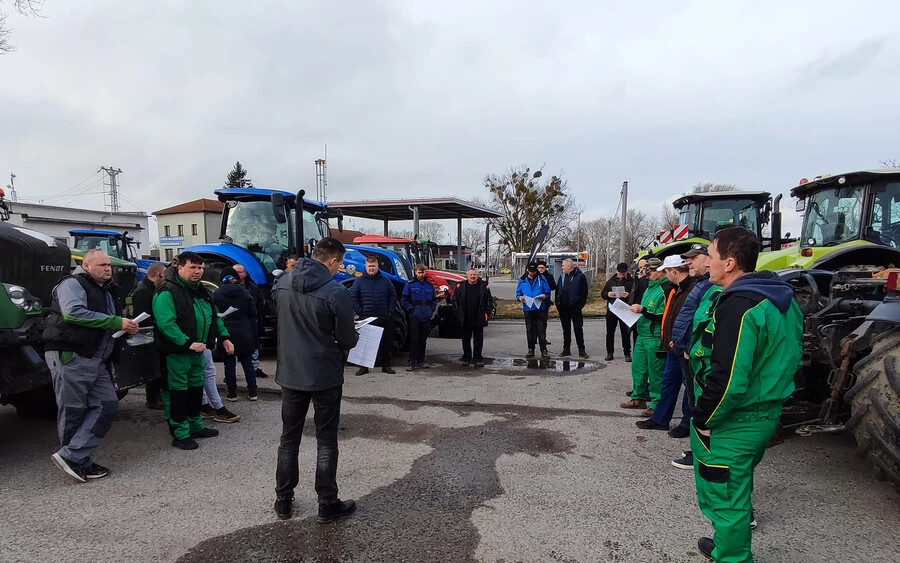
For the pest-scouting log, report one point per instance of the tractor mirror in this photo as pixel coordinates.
(801, 204)
(278, 208)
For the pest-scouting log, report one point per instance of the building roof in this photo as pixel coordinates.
(196, 206)
(399, 209)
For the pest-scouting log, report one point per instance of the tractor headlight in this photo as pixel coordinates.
(119, 269)
(21, 298)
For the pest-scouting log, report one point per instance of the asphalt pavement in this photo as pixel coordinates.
(516, 461)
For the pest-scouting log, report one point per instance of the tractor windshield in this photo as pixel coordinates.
(688, 215)
(833, 216)
(252, 225)
(886, 215)
(721, 213)
(112, 246)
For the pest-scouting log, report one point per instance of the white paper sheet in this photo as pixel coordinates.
(618, 290)
(142, 317)
(227, 312)
(531, 302)
(363, 322)
(366, 350)
(620, 309)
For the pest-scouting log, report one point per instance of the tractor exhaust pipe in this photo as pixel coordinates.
(776, 223)
(299, 211)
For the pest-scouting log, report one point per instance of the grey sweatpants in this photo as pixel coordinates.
(87, 404)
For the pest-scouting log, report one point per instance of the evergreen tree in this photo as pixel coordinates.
(237, 178)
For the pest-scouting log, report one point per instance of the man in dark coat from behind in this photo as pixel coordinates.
(241, 329)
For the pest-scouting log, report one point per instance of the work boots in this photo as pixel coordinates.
(332, 511)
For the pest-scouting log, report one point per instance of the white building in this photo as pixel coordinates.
(58, 221)
(187, 224)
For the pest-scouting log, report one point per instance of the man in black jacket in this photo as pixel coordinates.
(571, 297)
(316, 311)
(621, 279)
(141, 302)
(472, 299)
(78, 342)
(374, 296)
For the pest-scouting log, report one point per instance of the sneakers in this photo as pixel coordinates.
(411, 368)
(261, 373)
(362, 371)
(207, 411)
(465, 360)
(634, 404)
(650, 424)
(73, 470)
(582, 353)
(252, 395)
(545, 354)
(97, 471)
(628, 358)
(388, 369)
(225, 415)
(679, 432)
(753, 522)
(565, 352)
(609, 357)
(185, 444)
(530, 354)
(333, 511)
(685, 462)
(706, 547)
(284, 508)
(479, 363)
(231, 397)
(205, 433)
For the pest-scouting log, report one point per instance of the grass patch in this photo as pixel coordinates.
(595, 307)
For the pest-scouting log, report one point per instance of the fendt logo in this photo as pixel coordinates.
(46, 268)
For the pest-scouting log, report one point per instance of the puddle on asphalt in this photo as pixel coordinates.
(517, 366)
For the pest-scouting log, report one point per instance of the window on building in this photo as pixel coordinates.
(168, 231)
(194, 229)
(170, 254)
(181, 230)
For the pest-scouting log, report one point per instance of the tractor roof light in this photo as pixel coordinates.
(806, 252)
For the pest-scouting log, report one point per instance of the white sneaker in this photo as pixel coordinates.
(68, 468)
(753, 522)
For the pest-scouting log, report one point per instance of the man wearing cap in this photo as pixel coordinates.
(532, 291)
(754, 332)
(676, 269)
(621, 279)
(646, 371)
(571, 297)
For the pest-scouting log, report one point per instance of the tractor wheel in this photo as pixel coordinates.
(875, 400)
(401, 333)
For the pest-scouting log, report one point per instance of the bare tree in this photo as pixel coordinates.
(668, 218)
(708, 187)
(23, 7)
(890, 163)
(527, 201)
(473, 239)
(404, 233)
(432, 231)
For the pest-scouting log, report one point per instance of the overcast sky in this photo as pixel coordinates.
(419, 98)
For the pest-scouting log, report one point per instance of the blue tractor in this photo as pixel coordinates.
(121, 247)
(260, 231)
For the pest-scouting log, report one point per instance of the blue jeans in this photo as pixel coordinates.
(671, 384)
(231, 375)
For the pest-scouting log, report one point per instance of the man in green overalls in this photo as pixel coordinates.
(187, 323)
(743, 355)
(646, 367)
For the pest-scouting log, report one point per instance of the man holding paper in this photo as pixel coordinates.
(78, 343)
(532, 291)
(617, 287)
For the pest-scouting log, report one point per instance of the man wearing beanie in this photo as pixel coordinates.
(621, 279)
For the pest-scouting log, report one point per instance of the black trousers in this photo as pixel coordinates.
(418, 336)
(473, 336)
(326, 414)
(536, 328)
(154, 390)
(387, 340)
(570, 318)
(611, 322)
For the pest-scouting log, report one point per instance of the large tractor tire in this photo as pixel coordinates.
(875, 401)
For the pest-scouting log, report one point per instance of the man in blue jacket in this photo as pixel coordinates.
(315, 333)
(374, 296)
(532, 291)
(418, 300)
(571, 297)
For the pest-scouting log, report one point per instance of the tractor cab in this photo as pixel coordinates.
(704, 214)
(113, 243)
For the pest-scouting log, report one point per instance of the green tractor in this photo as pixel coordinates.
(701, 215)
(846, 283)
(119, 247)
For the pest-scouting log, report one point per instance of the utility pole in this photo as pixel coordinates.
(624, 210)
(321, 177)
(12, 187)
(113, 187)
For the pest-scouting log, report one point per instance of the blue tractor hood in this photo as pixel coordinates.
(98, 232)
(237, 255)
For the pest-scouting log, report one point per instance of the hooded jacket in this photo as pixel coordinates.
(418, 300)
(533, 288)
(572, 290)
(373, 296)
(241, 324)
(684, 322)
(756, 330)
(315, 328)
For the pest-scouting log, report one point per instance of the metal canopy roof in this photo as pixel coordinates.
(399, 209)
